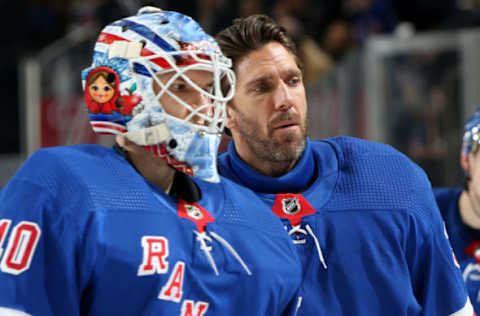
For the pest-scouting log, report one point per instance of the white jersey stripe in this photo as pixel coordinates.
(11, 312)
(467, 310)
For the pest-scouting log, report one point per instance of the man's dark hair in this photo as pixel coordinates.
(249, 34)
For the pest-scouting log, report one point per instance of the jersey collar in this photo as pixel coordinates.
(294, 181)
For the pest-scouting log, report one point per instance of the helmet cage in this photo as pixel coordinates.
(213, 114)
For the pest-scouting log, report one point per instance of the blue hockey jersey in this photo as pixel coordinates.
(465, 241)
(365, 223)
(82, 233)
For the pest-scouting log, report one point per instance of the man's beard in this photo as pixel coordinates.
(288, 150)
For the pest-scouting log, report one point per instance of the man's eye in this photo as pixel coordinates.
(106, 89)
(95, 88)
(259, 89)
(294, 81)
(179, 87)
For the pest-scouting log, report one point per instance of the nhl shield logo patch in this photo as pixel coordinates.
(291, 206)
(193, 211)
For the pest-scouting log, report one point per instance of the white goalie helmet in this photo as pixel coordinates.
(124, 88)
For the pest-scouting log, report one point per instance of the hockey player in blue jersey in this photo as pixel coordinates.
(362, 215)
(89, 230)
(460, 209)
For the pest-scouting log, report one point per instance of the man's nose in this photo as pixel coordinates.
(282, 97)
(198, 105)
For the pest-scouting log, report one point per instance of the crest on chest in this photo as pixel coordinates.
(196, 213)
(292, 207)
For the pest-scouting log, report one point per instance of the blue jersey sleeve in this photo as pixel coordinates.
(39, 246)
(435, 272)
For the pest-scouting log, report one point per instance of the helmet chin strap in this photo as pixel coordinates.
(148, 136)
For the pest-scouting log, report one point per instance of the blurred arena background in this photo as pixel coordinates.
(393, 71)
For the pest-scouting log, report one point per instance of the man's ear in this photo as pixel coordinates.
(464, 162)
(231, 117)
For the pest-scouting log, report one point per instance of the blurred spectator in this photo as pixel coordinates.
(207, 13)
(35, 23)
(338, 39)
(419, 129)
(104, 12)
(249, 7)
(316, 61)
(369, 17)
(431, 152)
(83, 12)
(215, 15)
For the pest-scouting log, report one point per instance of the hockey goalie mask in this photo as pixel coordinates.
(161, 81)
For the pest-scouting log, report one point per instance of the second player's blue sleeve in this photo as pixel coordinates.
(40, 251)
